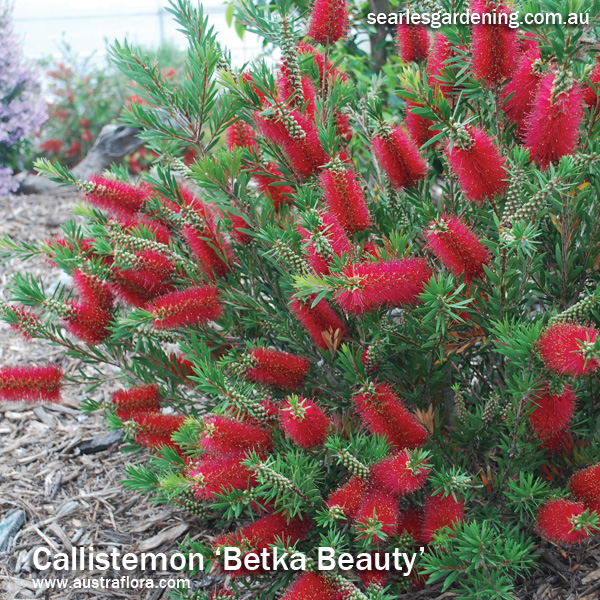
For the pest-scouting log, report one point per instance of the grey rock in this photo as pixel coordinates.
(100, 442)
(113, 143)
(9, 526)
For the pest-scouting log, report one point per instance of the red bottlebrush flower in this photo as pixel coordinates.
(263, 533)
(377, 508)
(161, 232)
(115, 196)
(413, 42)
(555, 521)
(558, 442)
(346, 199)
(87, 322)
(457, 247)
(139, 286)
(328, 21)
(590, 94)
(371, 285)
(280, 369)
(31, 383)
(326, 68)
(385, 414)
(240, 135)
(311, 586)
(331, 230)
(397, 475)
(520, 92)
(146, 280)
(399, 156)
(304, 421)
(238, 224)
(304, 149)
(553, 124)
(213, 475)
(349, 496)
(494, 47)
(307, 101)
(374, 576)
(411, 523)
(223, 435)
(585, 486)
(320, 321)
(51, 146)
(528, 42)
(202, 244)
(417, 125)
(193, 306)
(27, 321)
(93, 291)
(273, 185)
(441, 511)
(438, 69)
(156, 429)
(480, 168)
(343, 127)
(136, 399)
(552, 413)
(562, 347)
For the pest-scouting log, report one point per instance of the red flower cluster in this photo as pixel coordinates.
(92, 290)
(441, 511)
(328, 21)
(413, 42)
(349, 496)
(345, 199)
(223, 435)
(590, 94)
(331, 230)
(368, 285)
(553, 125)
(480, 168)
(312, 586)
(213, 475)
(87, 322)
(494, 47)
(520, 92)
(146, 280)
(457, 247)
(116, 196)
(240, 135)
(156, 429)
(273, 185)
(400, 158)
(555, 521)
(585, 486)
(418, 126)
(276, 368)
(262, 534)
(319, 320)
(552, 413)
(136, 400)
(437, 68)
(31, 383)
(397, 475)
(303, 149)
(563, 348)
(192, 306)
(304, 421)
(376, 508)
(386, 415)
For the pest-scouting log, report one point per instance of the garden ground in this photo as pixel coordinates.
(71, 492)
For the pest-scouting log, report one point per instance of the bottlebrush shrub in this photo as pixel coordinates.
(340, 335)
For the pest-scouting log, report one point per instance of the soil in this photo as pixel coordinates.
(72, 499)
